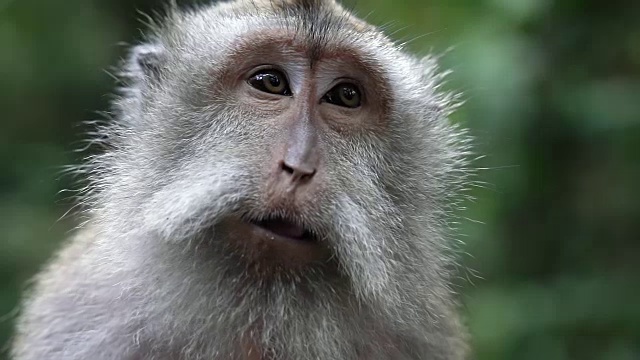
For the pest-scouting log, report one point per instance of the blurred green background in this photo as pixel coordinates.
(553, 98)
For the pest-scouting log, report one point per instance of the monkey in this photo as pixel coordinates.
(277, 182)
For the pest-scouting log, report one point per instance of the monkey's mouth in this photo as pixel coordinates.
(286, 243)
(275, 240)
(285, 228)
(272, 240)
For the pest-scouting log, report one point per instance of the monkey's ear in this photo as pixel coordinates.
(145, 61)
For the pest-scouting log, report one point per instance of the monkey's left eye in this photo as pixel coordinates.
(270, 81)
(344, 94)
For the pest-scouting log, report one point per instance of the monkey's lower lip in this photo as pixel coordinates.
(284, 228)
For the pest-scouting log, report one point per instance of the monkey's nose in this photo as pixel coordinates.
(298, 172)
(300, 157)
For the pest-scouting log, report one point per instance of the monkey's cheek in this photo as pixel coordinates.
(264, 250)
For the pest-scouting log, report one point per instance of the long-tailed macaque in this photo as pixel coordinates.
(277, 183)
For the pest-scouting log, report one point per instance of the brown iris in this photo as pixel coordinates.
(344, 94)
(271, 81)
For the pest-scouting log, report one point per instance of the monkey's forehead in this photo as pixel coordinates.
(319, 26)
(309, 13)
(203, 40)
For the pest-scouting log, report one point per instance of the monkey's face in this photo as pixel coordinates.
(290, 145)
(301, 126)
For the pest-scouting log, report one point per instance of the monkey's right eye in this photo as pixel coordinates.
(271, 81)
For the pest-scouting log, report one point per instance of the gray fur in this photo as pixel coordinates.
(148, 278)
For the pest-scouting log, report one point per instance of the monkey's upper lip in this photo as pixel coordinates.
(285, 228)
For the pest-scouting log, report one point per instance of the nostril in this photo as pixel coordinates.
(289, 170)
(310, 174)
(307, 176)
(297, 172)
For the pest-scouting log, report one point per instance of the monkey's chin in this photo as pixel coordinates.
(274, 243)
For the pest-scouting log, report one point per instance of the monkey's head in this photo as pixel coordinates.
(287, 142)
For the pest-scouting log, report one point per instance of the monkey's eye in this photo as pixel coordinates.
(344, 94)
(271, 81)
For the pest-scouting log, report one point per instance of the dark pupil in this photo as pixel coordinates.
(274, 80)
(348, 93)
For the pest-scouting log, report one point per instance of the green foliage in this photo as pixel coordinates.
(553, 98)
